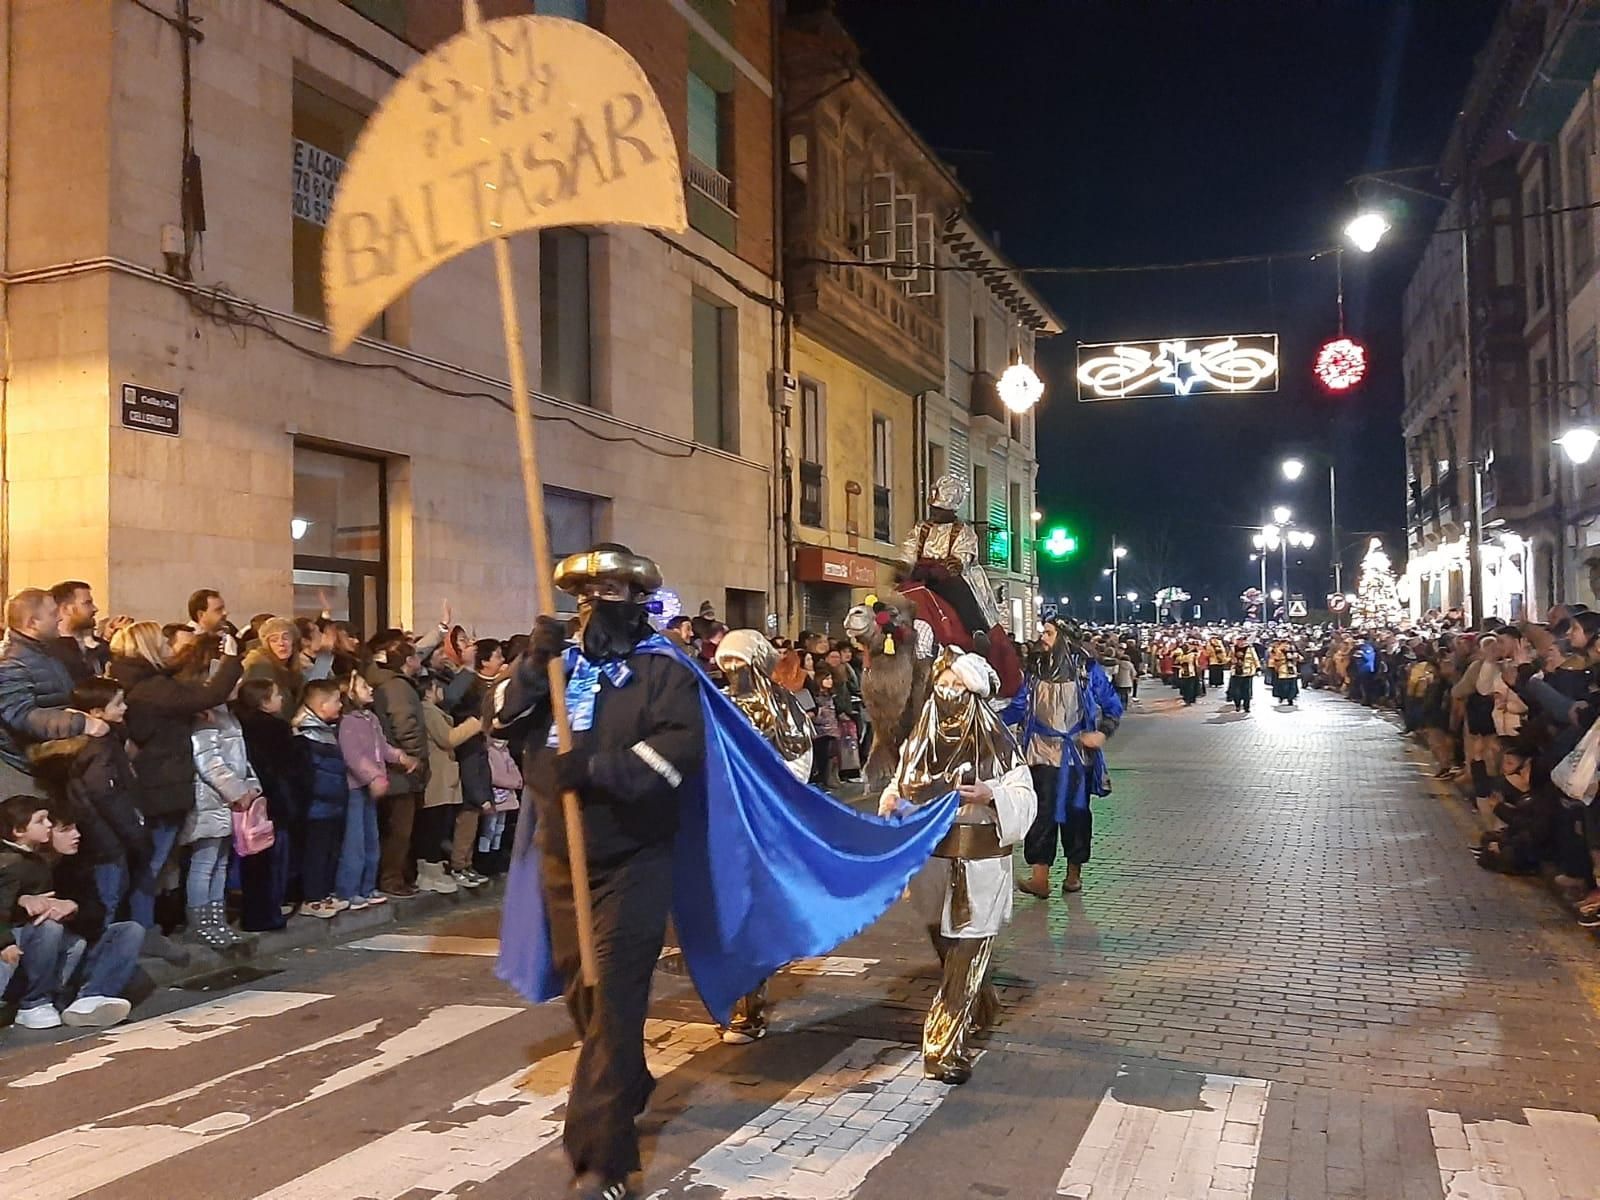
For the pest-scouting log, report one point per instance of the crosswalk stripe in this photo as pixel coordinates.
(173, 1031)
(1555, 1156)
(1135, 1150)
(483, 1133)
(826, 1135)
(429, 943)
(75, 1161)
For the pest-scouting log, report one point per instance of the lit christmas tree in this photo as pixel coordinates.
(1377, 595)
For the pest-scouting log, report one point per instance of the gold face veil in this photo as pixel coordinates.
(746, 659)
(958, 738)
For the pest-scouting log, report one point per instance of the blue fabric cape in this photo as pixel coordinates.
(766, 869)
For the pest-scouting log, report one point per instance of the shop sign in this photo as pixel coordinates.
(152, 411)
(818, 564)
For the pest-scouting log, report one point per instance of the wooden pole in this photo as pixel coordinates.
(544, 594)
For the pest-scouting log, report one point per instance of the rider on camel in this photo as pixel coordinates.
(942, 552)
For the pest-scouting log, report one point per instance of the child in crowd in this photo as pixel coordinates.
(264, 877)
(96, 775)
(367, 754)
(224, 781)
(435, 826)
(34, 942)
(506, 782)
(316, 728)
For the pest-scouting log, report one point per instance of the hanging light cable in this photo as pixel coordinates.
(1342, 362)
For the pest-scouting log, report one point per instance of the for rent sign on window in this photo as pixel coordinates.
(316, 178)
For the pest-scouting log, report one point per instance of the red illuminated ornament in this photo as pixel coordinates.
(1341, 364)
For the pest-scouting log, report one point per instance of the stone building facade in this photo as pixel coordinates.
(382, 482)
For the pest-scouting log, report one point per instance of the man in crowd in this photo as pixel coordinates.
(207, 612)
(35, 687)
(83, 654)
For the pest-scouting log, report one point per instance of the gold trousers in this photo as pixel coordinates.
(965, 1004)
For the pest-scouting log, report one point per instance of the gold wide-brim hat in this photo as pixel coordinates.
(608, 562)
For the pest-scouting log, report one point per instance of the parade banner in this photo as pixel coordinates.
(514, 124)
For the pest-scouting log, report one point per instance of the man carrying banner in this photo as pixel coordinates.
(685, 808)
(637, 732)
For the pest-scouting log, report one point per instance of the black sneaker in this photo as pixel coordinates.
(590, 1190)
(1589, 919)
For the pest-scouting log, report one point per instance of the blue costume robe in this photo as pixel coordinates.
(1078, 779)
(765, 868)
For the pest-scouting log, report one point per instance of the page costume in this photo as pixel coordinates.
(963, 894)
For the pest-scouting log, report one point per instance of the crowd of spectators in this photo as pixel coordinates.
(201, 782)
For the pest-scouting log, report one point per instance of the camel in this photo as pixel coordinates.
(894, 687)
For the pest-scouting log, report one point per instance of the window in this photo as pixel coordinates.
(1533, 236)
(1579, 233)
(1541, 427)
(1505, 259)
(574, 522)
(812, 448)
(1583, 363)
(324, 131)
(705, 122)
(573, 10)
(1018, 565)
(340, 538)
(882, 506)
(980, 348)
(709, 165)
(714, 393)
(938, 460)
(564, 297)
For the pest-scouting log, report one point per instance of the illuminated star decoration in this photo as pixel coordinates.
(1221, 364)
(1341, 364)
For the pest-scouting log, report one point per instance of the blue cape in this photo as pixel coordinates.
(766, 869)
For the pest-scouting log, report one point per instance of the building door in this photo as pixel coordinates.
(341, 544)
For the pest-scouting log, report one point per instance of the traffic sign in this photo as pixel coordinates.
(1297, 606)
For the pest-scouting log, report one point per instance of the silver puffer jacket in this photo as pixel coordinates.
(222, 774)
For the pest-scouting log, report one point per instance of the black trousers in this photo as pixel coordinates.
(958, 594)
(433, 833)
(610, 1084)
(1039, 843)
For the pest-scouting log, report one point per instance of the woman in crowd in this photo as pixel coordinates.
(163, 703)
(276, 657)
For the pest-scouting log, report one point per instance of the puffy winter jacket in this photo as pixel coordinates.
(279, 764)
(367, 753)
(35, 688)
(223, 775)
(161, 713)
(399, 707)
(95, 773)
(328, 784)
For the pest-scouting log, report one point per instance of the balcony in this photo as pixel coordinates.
(984, 399)
(708, 181)
(811, 494)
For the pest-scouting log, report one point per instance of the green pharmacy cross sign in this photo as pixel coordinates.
(1059, 544)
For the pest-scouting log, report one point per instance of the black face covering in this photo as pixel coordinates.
(611, 628)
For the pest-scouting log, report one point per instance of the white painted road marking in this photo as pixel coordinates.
(1555, 1156)
(75, 1161)
(821, 1140)
(426, 943)
(1131, 1151)
(173, 1031)
(483, 1134)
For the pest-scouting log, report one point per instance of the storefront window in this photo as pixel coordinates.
(340, 539)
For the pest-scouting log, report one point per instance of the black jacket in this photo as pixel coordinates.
(280, 763)
(81, 664)
(647, 737)
(96, 774)
(22, 873)
(35, 689)
(161, 712)
(399, 707)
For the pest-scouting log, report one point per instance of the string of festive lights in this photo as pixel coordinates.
(1342, 362)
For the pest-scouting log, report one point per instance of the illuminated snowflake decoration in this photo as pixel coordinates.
(1341, 364)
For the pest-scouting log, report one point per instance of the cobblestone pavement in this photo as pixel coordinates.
(1285, 977)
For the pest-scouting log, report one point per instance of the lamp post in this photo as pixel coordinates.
(1365, 231)
(1118, 553)
(1293, 469)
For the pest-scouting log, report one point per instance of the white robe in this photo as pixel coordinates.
(989, 880)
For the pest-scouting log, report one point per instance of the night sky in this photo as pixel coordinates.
(1126, 132)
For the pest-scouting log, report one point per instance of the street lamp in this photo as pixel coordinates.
(1293, 468)
(1118, 553)
(1579, 444)
(1020, 387)
(1276, 594)
(1366, 230)
(1282, 514)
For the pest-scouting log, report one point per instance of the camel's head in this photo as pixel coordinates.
(872, 624)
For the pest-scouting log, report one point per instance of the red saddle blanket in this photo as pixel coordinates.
(949, 631)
